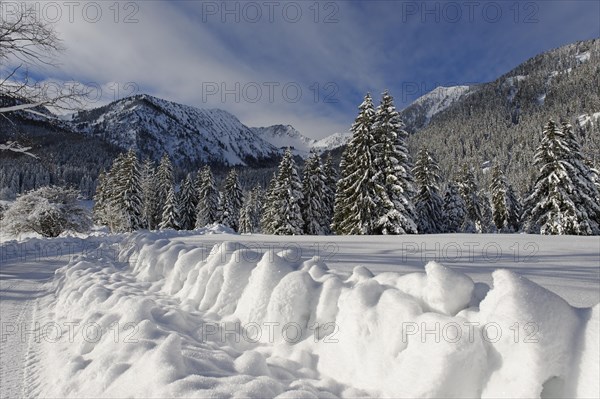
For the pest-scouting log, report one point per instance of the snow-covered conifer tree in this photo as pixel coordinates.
(287, 197)
(126, 192)
(429, 205)
(560, 201)
(329, 195)
(469, 191)
(394, 213)
(151, 205)
(188, 202)
(455, 209)
(208, 198)
(355, 200)
(164, 180)
(313, 204)
(505, 204)
(250, 212)
(230, 201)
(268, 210)
(170, 215)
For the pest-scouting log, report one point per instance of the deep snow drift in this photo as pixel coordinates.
(170, 319)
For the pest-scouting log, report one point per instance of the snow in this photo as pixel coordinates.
(583, 57)
(586, 119)
(193, 314)
(441, 98)
(184, 132)
(333, 141)
(284, 136)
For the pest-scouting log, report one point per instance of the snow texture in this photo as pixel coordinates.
(196, 316)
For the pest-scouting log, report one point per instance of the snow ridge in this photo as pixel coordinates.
(187, 305)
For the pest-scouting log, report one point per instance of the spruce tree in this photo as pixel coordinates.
(152, 208)
(164, 181)
(268, 207)
(469, 191)
(506, 208)
(487, 217)
(170, 215)
(188, 202)
(557, 204)
(250, 212)
(126, 197)
(329, 195)
(355, 200)
(429, 205)
(394, 213)
(455, 209)
(231, 200)
(287, 197)
(208, 198)
(515, 209)
(585, 182)
(313, 204)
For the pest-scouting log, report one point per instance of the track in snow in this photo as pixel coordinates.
(22, 286)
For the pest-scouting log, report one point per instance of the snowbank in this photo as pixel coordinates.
(236, 322)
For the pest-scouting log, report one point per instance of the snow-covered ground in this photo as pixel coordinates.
(197, 314)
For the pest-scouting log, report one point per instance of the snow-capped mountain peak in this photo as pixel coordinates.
(419, 113)
(333, 141)
(283, 136)
(153, 126)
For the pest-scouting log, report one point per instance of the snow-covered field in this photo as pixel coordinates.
(222, 315)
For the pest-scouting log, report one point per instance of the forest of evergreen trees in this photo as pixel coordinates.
(375, 190)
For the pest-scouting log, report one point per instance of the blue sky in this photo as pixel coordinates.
(265, 61)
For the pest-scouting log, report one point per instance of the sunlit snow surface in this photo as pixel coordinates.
(222, 315)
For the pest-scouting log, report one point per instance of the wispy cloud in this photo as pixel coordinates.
(333, 52)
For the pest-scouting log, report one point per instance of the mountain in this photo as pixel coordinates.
(418, 115)
(191, 136)
(284, 136)
(333, 141)
(501, 121)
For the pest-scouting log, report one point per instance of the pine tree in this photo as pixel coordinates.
(467, 186)
(313, 204)
(455, 209)
(393, 179)
(170, 215)
(208, 198)
(188, 202)
(164, 181)
(287, 197)
(355, 199)
(557, 204)
(231, 200)
(429, 205)
(152, 208)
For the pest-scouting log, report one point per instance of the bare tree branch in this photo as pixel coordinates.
(27, 40)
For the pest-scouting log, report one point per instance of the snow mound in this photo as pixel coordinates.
(237, 322)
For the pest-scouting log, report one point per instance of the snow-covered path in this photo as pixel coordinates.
(23, 284)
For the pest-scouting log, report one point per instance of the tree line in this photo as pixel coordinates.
(375, 190)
